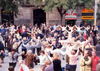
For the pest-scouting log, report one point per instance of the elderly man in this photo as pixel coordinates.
(29, 57)
(95, 60)
(13, 56)
(85, 62)
(98, 48)
(23, 67)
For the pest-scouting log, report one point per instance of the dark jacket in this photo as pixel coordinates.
(57, 65)
(98, 50)
(1, 47)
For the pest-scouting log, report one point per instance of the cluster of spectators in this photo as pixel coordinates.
(49, 45)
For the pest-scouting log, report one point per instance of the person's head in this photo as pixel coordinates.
(69, 44)
(85, 33)
(2, 27)
(15, 45)
(10, 36)
(24, 38)
(85, 53)
(12, 51)
(73, 52)
(49, 46)
(55, 34)
(29, 52)
(47, 62)
(54, 43)
(39, 37)
(42, 52)
(31, 70)
(2, 51)
(14, 39)
(80, 33)
(20, 62)
(56, 56)
(93, 53)
(11, 68)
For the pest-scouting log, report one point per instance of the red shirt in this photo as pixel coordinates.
(21, 69)
(94, 62)
(85, 36)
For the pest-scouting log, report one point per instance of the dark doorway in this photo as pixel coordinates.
(71, 22)
(39, 16)
(7, 16)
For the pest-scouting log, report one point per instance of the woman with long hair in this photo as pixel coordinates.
(56, 62)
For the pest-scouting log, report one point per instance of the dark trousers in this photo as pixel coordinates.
(5, 44)
(38, 51)
(2, 56)
(33, 51)
(36, 61)
(12, 64)
(25, 50)
(72, 67)
(9, 49)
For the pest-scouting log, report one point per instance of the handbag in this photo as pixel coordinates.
(31, 65)
(67, 66)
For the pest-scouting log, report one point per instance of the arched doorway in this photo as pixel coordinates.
(39, 16)
(7, 16)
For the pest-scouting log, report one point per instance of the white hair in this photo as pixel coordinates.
(29, 51)
(24, 38)
(21, 62)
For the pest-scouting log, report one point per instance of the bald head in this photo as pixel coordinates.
(86, 53)
(47, 62)
(20, 62)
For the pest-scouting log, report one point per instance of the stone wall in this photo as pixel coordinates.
(24, 16)
(54, 17)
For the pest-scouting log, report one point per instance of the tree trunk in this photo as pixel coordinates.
(61, 18)
(9, 18)
(61, 12)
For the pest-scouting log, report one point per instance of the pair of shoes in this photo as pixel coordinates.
(0, 65)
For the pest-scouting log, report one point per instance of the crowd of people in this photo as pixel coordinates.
(49, 45)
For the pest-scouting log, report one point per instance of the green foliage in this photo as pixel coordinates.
(65, 4)
(10, 5)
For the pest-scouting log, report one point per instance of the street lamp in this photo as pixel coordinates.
(95, 12)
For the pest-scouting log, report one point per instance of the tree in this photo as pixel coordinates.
(63, 5)
(10, 5)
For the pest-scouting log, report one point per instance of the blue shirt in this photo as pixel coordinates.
(3, 31)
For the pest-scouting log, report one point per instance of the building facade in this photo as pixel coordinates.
(30, 14)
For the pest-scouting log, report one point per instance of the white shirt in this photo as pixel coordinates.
(43, 58)
(60, 52)
(25, 68)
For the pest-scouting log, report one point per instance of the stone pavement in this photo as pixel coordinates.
(5, 65)
(36, 67)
